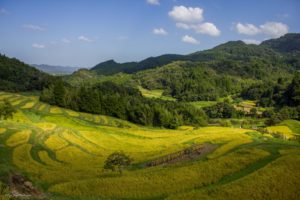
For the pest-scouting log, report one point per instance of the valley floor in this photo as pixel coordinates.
(63, 152)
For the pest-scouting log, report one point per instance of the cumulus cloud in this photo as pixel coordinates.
(189, 39)
(204, 28)
(85, 39)
(153, 2)
(65, 40)
(159, 31)
(247, 29)
(272, 29)
(207, 28)
(251, 41)
(38, 46)
(33, 27)
(186, 14)
(183, 26)
(189, 18)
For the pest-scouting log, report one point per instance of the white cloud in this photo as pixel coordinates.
(38, 46)
(247, 29)
(159, 31)
(204, 28)
(3, 11)
(189, 39)
(207, 28)
(85, 39)
(183, 26)
(274, 29)
(251, 41)
(65, 40)
(33, 27)
(186, 14)
(153, 2)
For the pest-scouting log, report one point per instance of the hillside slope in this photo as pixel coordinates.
(18, 76)
(272, 52)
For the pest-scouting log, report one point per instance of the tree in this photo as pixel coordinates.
(253, 112)
(292, 93)
(59, 93)
(117, 161)
(6, 110)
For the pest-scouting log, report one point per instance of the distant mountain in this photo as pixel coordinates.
(111, 67)
(18, 76)
(56, 70)
(285, 44)
(269, 51)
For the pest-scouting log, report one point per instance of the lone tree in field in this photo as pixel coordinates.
(117, 161)
(6, 110)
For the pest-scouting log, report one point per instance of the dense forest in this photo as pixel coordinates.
(18, 76)
(123, 102)
(265, 73)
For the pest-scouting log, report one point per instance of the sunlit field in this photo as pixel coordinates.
(63, 153)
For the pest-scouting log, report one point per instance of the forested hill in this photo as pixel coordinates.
(287, 44)
(18, 76)
(112, 67)
(281, 52)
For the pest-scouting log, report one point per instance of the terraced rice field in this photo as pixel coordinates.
(63, 153)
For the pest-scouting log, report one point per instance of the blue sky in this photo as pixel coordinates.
(83, 33)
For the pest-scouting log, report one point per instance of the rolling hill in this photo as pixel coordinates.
(18, 76)
(56, 70)
(270, 51)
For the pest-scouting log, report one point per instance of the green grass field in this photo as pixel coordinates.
(63, 152)
(155, 94)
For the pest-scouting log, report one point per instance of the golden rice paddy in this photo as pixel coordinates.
(64, 151)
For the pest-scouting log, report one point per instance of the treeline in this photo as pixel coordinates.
(18, 76)
(123, 102)
(278, 94)
(223, 110)
(190, 81)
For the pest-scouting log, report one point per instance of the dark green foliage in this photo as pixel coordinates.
(189, 81)
(280, 114)
(112, 67)
(275, 94)
(117, 161)
(287, 43)
(18, 76)
(127, 103)
(6, 110)
(55, 94)
(235, 58)
(223, 110)
(292, 93)
(59, 93)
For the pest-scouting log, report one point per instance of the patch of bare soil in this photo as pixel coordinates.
(22, 188)
(190, 153)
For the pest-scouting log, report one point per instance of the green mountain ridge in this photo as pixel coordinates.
(18, 76)
(284, 49)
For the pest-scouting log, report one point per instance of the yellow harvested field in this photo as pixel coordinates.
(71, 113)
(2, 130)
(46, 159)
(55, 110)
(55, 142)
(142, 184)
(64, 152)
(278, 180)
(29, 105)
(283, 130)
(46, 126)
(18, 138)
